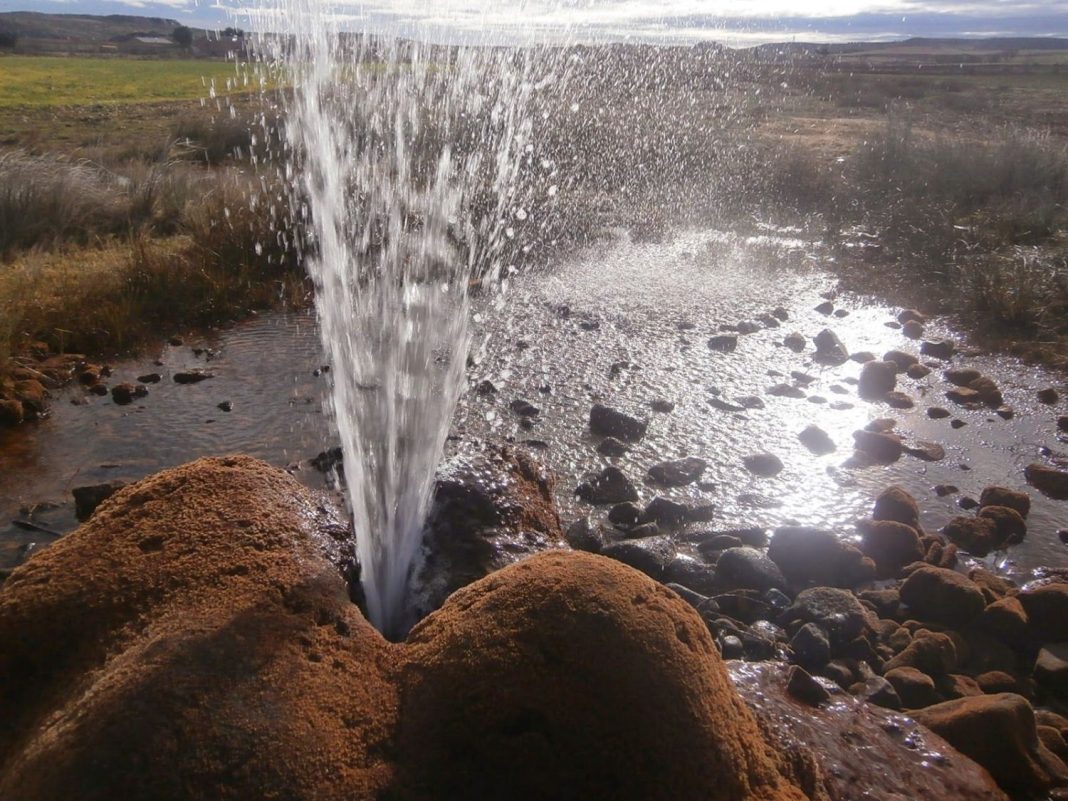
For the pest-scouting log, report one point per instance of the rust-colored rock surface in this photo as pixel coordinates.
(196, 640)
(858, 750)
(999, 732)
(573, 676)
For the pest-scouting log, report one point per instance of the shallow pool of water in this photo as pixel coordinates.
(648, 310)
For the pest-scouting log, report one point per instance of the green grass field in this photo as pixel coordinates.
(80, 81)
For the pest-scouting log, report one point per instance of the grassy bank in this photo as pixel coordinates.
(34, 81)
(149, 216)
(99, 261)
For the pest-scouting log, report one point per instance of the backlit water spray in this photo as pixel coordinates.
(404, 164)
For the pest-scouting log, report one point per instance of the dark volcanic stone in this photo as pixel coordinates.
(87, 498)
(811, 647)
(835, 611)
(723, 343)
(1048, 395)
(193, 376)
(123, 394)
(939, 349)
(524, 408)
(786, 391)
(626, 514)
(829, 348)
(962, 376)
(812, 555)
(763, 464)
(608, 486)
(801, 685)
(650, 555)
(877, 379)
(610, 446)
(608, 422)
(747, 569)
(817, 440)
(666, 511)
(678, 472)
(583, 536)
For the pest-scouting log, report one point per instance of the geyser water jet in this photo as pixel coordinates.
(404, 164)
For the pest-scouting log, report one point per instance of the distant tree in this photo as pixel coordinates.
(233, 33)
(183, 36)
(8, 39)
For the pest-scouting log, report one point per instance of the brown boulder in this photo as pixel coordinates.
(1047, 610)
(196, 640)
(1010, 525)
(914, 687)
(33, 397)
(988, 390)
(976, 535)
(11, 413)
(1051, 668)
(878, 445)
(876, 379)
(1003, 496)
(855, 749)
(1048, 480)
(890, 544)
(931, 652)
(1006, 620)
(941, 595)
(998, 732)
(895, 503)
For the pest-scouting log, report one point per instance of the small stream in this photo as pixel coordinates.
(622, 324)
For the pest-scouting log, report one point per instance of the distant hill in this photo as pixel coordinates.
(920, 44)
(33, 25)
(115, 34)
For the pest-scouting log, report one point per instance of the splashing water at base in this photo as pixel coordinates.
(404, 163)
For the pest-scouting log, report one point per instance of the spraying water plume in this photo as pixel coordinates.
(405, 158)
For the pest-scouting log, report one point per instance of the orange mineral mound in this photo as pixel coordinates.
(195, 640)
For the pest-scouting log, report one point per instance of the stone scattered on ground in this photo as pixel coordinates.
(677, 472)
(817, 440)
(829, 348)
(938, 349)
(763, 464)
(1048, 395)
(1048, 480)
(611, 485)
(88, 498)
(192, 376)
(608, 422)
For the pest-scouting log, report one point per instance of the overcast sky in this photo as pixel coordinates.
(736, 22)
